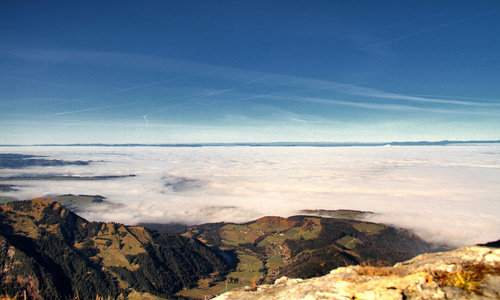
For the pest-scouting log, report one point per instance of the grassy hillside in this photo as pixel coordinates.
(300, 246)
(51, 253)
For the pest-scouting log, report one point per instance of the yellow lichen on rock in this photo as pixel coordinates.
(466, 273)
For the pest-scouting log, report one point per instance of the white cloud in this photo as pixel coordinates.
(444, 193)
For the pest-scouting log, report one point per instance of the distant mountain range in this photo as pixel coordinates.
(281, 144)
(48, 252)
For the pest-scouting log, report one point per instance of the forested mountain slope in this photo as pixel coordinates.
(51, 253)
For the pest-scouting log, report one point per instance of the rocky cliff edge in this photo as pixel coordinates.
(465, 273)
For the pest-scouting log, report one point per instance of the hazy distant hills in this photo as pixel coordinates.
(283, 144)
(51, 253)
(18, 161)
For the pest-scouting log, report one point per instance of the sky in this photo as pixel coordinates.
(195, 71)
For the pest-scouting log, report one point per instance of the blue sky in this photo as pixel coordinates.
(248, 71)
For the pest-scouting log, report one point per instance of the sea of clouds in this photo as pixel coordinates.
(445, 194)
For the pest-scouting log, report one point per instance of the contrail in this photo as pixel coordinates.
(427, 30)
(209, 94)
(155, 112)
(393, 107)
(403, 23)
(113, 92)
(204, 95)
(144, 85)
(88, 109)
(458, 97)
(119, 91)
(369, 92)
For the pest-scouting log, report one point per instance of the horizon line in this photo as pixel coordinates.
(264, 144)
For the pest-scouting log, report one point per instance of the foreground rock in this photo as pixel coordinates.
(466, 273)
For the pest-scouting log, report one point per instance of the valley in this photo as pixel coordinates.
(43, 241)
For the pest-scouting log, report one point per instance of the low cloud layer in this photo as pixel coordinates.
(444, 193)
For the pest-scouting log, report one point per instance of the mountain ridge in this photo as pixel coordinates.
(302, 246)
(51, 252)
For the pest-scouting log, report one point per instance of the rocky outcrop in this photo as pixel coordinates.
(466, 273)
